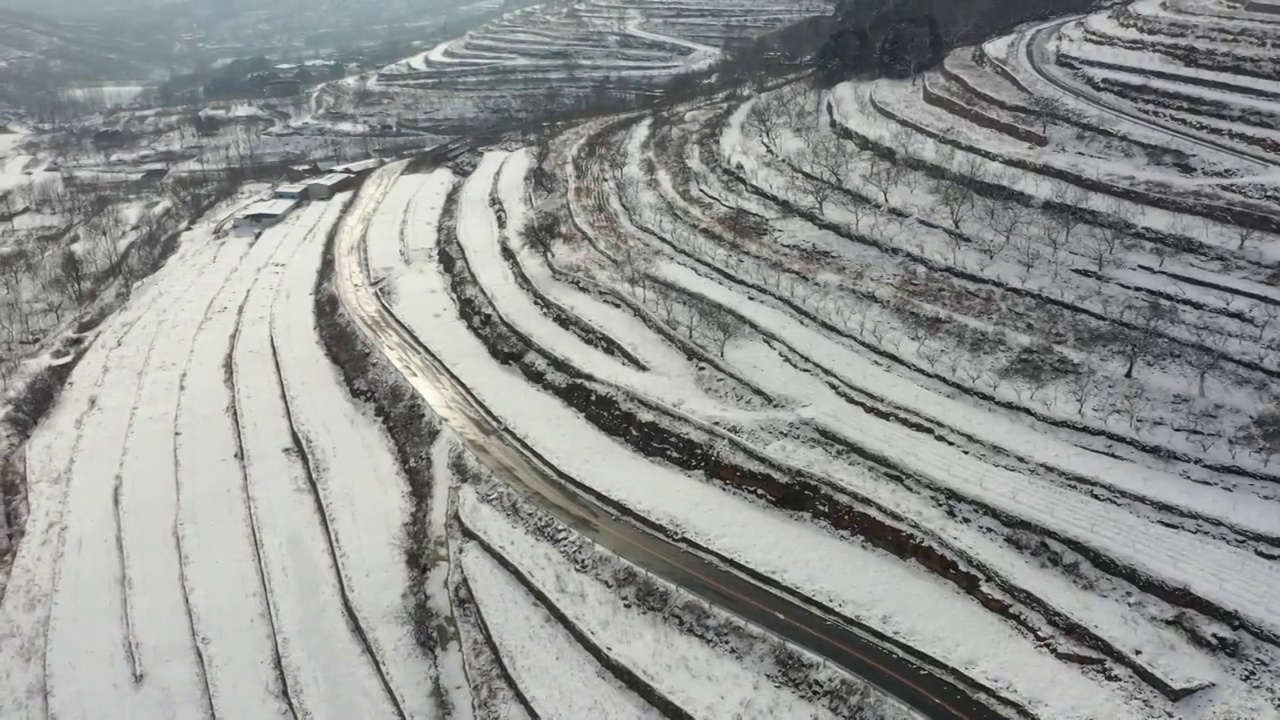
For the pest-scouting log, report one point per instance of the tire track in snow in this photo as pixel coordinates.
(300, 446)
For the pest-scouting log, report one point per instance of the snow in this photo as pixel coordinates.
(905, 602)
(1070, 41)
(702, 680)
(174, 559)
(363, 493)
(278, 206)
(324, 662)
(481, 241)
(106, 378)
(557, 675)
(440, 575)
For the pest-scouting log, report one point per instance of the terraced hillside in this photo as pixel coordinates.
(555, 53)
(1002, 338)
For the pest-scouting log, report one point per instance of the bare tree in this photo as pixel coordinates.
(956, 200)
(883, 175)
(1202, 422)
(1134, 403)
(542, 229)
(1082, 386)
(1262, 435)
(826, 163)
(831, 159)
(1147, 321)
(1004, 220)
(1028, 249)
(1265, 315)
(15, 266)
(768, 119)
(904, 141)
(1244, 236)
(634, 263)
(1207, 354)
(1103, 241)
(721, 325)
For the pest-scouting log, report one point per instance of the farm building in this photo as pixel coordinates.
(264, 213)
(294, 191)
(298, 173)
(361, 168)
(326, 187)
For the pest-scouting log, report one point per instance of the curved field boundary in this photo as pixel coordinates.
(979, 118)
(1104, 433)
(463, 586)
(277, 660)
(885, 409)
(662, 436)
(1220, 213)
(624, 674)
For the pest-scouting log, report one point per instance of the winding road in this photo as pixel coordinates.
(1035, 45)
(893, 668)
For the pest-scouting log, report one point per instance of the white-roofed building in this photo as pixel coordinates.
(291, 191)
(264, 213)
(323, 188)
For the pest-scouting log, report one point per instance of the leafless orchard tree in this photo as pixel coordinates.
(1134, 404)
(634, 263)
(904, 141)
(1149, 320)
(1208, 355)
(1004, 220)
(955, 199)
(1102, 242)
(1082, 387)
(1048, 109)
(1201, 422)
(1244, 236)
(768, 119)
(828, 163)
(1265, 315)
(722, 326)
(1262, 435)
(883, 175)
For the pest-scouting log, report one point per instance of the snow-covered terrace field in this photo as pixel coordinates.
(204, 537)
(1075, 410)
(1010, 399)
(588, 41)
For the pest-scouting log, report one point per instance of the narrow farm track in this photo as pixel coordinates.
(181, 577)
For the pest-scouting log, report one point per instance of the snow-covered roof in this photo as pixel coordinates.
(291, 188)
(269, 208)
(335, 178)
(359, 167)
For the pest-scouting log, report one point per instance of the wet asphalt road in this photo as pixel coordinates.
(858, 650)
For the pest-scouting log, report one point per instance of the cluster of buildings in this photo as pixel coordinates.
(287, 197)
